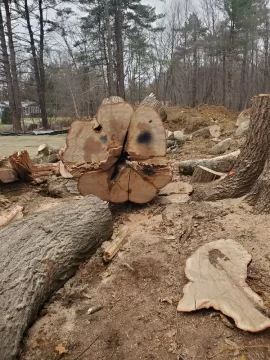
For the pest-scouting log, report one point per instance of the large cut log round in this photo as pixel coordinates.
(38, 255)
(120, 156)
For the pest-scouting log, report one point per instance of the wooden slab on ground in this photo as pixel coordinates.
(217, 272)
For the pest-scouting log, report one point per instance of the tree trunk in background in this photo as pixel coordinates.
(14, 75)
(195, 69)
(44, 117)
(7, 72)
(119, 48)
(243, 85)
(266, 56)
(223, 77)
(39, 73)
(230, 67)
(251, 160)
(109, 47)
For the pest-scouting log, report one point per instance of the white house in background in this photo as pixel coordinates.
(30, 109)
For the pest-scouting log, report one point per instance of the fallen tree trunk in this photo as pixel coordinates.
(222, 163)
(40, 256)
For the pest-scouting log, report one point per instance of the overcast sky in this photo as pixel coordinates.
(159, 5)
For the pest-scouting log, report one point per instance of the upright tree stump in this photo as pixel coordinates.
(251, 161)
(120, 155)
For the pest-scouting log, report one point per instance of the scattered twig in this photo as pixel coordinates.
(185, 234)
(88, 347)
(232, 348)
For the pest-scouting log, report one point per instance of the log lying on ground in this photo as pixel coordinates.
(120, 155)
(202, 174)
(46, 154)
(222, 163)
(217, 272)
(40, 256)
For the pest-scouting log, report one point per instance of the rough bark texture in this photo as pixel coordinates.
(40, 256)
(203, 175)
(156, 105)
(222, 163)
(260, 193)
(251, 160)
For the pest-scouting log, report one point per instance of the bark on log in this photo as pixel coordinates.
(259, 196)
(203, 175)
(40, 256)
(156, 105)
(222, 163)
(250, 162)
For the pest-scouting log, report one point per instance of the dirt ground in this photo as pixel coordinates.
(139, 290)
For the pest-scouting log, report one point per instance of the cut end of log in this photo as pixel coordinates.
(120, 155)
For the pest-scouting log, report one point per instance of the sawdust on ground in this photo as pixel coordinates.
(140, 289)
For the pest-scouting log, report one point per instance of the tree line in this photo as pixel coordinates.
(68, 55)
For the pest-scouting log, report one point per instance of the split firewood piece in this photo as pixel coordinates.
(146, 135)
(64, 172)
(155, 170)
(223, 163)
(11, 215)
(217, 272)
(202, 174)
(111, 250)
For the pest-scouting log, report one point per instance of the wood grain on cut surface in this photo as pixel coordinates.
(217, 272)
(85, 144)
(146, 136)
(115, 120)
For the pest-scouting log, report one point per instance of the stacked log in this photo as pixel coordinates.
(120, 155)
